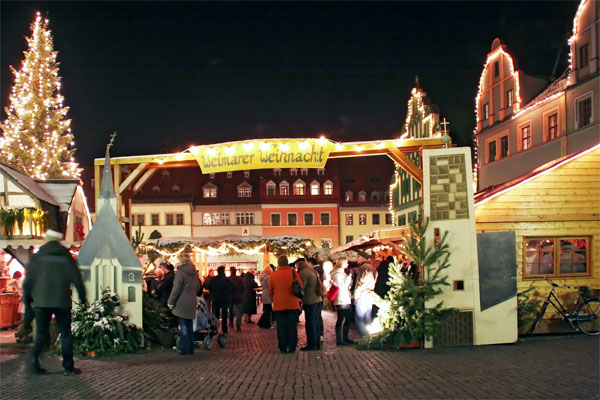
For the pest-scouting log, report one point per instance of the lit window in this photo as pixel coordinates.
(584, 112)
(324, 218)
(292, 219)
(284, 188)
(244, 190)
(552, 126)
(486, 111)
(348, 196)
(362, 219)
(556, 256)
(270, 188)
(328, 188)
(211, 218)
(349, 219)
(314, 189)
(209, 191)
(504, 146)
(526, 137)
(362, 196)
(308, 219)
(299, 187)
(510, 98)
(229, 174)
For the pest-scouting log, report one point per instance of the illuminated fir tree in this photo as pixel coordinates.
(36, 138)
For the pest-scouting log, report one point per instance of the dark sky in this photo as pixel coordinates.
(167, 75)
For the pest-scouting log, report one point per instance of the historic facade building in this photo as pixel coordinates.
(524, 122)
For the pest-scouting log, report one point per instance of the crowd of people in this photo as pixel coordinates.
(232, 298)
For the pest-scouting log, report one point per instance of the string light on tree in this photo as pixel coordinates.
(36, 136)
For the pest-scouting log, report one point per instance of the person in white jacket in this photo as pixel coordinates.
(341, 277)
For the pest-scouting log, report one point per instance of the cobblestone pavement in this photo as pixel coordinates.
(251, 366)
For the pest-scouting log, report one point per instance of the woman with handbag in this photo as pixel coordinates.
(285, 289)
(341, 278)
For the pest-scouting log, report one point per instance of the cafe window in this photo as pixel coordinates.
(556, 256)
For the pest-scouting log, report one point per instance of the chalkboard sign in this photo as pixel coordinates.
(497, 257)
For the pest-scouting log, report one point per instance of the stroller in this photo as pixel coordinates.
(205, 327)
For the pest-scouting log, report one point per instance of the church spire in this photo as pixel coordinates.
(107, 192)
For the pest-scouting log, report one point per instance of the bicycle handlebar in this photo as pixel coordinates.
(556, 284)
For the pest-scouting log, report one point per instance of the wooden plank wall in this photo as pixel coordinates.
(561, 202)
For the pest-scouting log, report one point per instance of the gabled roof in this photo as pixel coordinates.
(62, 190)
(29, 185)
(495, 190)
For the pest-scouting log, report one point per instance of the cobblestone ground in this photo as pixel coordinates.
(251, 366)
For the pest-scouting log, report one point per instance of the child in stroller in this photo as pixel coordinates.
(206, 326)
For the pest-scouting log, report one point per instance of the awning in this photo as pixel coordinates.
(387, 236)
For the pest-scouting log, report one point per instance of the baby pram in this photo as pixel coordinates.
(205, 327)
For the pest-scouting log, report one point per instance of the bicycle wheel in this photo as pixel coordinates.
(587, 315)
(538, 318)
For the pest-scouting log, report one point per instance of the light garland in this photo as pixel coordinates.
(573, 48)
(416, 102)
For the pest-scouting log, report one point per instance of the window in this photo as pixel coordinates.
(244, 190)
(275, 219)
(504, 146)
(292, 219)
(225, 218)
(154, 219)
(348, 196)
(165, 173)
(304, 172)
(244, 218)
(156, 189)
(412, 216)
(492, 151)
(324, 218)
(139, 219)
(212, 176)
(179, 219)
(320, 171)
(349, 219)
(362, 219)
(229, 175)
(314, 188)
(308, 219)
(556, 256)
(299, 187)
(526, 137)
(584, 55)
(349, 238)
(246, 174)
(277, 172)
(584, 112)
(496, 69)
(131, 294)
(270, 188)
(486, 111)
(509, 98)
(388, 219)
(293, 171)
(374, 196)
(362, 196)
(209, 191)
(375, 219)
(211, 218)
(328, 188)
(552, 126)
(402, 220)
(170, 219)
(325, 243)
(176, 188)
(284, 188)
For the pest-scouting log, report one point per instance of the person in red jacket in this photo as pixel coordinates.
(286, 306)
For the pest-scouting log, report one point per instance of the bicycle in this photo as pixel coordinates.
(584, 317)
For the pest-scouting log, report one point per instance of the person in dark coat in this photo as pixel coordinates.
(220, 289)
(381, 285)
(249, 296)
(183, 302)
(235, 300)
(163, 291)
(47, 287)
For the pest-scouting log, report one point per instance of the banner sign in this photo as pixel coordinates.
(262, 154)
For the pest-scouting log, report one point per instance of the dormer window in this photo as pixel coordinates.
(299, 188)
(293, 171)
(246, 174)
(362, 196)
(209, 191)
(304, 172)
(271, 188)
(328, 188)
(244, 190)
(375, 196)
(165, 173)
(348, 196)
(320, 171)
(229, 175)
(314, 188)
(284, 189)
(277, 172)
(176, 188)
(212, 176)
(156, 189)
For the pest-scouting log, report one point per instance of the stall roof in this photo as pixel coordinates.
(222, 238)
(373, 239)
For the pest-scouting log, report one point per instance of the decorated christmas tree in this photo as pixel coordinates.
(36, 138)
(411, 311)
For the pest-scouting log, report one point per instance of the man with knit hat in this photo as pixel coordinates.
(50, 274)
(363, 293)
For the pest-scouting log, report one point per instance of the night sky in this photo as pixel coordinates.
(166, 76)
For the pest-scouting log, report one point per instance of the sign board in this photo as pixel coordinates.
(262, 154)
